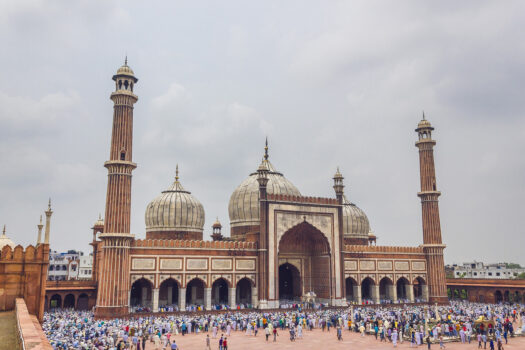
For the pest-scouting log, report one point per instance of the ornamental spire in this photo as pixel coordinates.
(177, 173)
(266, 149)
(3, 231)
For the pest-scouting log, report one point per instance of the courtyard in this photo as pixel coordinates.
(316, 339)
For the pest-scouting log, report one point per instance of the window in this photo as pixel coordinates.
(122, 155)
(490, 273)
(497, 273)
(475, 273)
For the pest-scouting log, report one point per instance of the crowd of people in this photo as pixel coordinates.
(417, 324)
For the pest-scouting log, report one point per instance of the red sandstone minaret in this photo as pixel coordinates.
(432, 244)
(113, 282)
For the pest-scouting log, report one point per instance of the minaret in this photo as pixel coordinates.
(40, 226)
(48, 213)
(432, 243)
(263, 275)
(339, 186)
(113, 287)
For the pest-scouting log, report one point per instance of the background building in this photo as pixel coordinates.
(478, 269)
(70, 265)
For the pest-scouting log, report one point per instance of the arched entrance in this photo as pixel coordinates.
(386, 289)
(367, 293)
(55, 301)
(169, 293)
(498, 296)
(402, 286)
(69, 301)
(419, 285)
(140, 295)
(219, 292)
(243, 292)
(289, 282)
(195, 292)
(351, 286)
(308, 249)
(83, 302)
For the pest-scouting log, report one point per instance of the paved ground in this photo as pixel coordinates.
(315, 340)
(8, 336)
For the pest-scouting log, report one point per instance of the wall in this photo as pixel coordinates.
(23, 274)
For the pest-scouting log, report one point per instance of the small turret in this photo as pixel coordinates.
(217, 234)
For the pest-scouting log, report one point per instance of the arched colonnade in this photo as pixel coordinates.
(220, 293)
(371, 291)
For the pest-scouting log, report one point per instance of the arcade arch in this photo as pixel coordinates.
(140, 294)
(367, 289)
(243, 291)
(195, 292)
(402, 289)
(169, 292)
(351, 289)
(69, 301)
(219, 292)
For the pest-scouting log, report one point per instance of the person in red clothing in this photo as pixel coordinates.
(225, 344)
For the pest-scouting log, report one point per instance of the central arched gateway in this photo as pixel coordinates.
(304, 263)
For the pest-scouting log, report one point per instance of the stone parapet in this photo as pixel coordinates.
(382, 249)
(301, 199)
(175, 243)
(31, 334)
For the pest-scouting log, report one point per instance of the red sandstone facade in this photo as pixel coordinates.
(297, 247)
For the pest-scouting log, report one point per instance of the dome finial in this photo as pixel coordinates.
(126, 60)
(266, 149)
(49, 204)
(177, 173)
(424, 116)
(3, 231)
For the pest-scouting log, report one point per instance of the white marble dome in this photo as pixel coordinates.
(4, 240)
(244, 201)
(355, 221)
(175, 209)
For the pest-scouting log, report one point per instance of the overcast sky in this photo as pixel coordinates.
(331, 83)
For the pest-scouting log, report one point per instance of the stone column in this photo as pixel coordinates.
(144, 296)
(182, 299)
(170, 295)
(424, 292)
(231, 298)
(254, 296)
(375, 293)
(392, 293)
(207, 298)
(410, 292)
(155, 300)
(357, 294)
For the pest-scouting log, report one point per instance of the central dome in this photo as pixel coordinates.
(244, 201)
(175, 214)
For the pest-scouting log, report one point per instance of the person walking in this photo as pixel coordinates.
(225, 343)
(208, 342)
(267, 333)
(442, 345)
(275, 334)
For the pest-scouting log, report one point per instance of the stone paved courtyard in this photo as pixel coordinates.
(316, 339)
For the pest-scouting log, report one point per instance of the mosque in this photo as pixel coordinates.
(282, 244)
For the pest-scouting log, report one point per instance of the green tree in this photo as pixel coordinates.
(521, 276)
(512, 266)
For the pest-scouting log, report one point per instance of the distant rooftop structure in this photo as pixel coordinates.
(478, 269)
